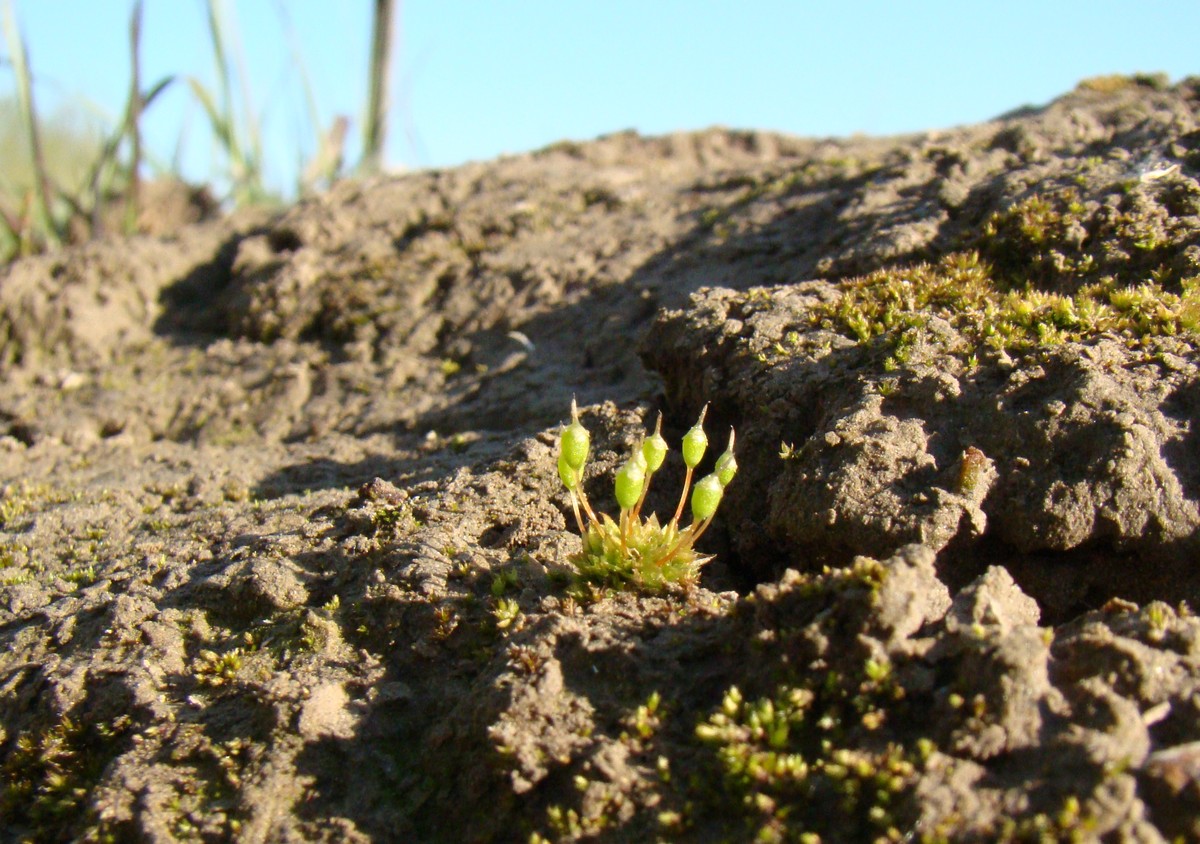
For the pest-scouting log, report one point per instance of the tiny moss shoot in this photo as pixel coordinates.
(636, 551)
(801, 764)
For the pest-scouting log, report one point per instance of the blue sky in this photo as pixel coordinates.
(474, 79)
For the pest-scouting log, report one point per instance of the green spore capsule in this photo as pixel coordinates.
(575, 441)
(567, 473)
(654, 449)
(695, 442)
(727, 465)
(630, 478)
(706, 497)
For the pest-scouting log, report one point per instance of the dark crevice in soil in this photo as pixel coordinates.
(1067, 584)
(191, 312)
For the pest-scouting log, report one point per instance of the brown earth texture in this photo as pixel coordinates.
(285, 556)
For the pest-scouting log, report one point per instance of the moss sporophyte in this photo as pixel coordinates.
(636, 551)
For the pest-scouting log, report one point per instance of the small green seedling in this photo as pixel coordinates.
(636, 551)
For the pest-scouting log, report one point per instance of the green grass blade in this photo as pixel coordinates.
(253, 152)
(240, 141)
(326, 157)
(217, 119)
(133, 120)
(301, 66)
(375, 130)
(216, 35)
(29, 119)
(157, 88)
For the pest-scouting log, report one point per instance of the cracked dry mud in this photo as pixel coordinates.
(284, 554)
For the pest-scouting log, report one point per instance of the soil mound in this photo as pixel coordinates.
(284, 555)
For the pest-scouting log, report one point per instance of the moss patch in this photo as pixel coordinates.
(967, 291)
(800, 764)
(49, 772)
(1060, 240)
